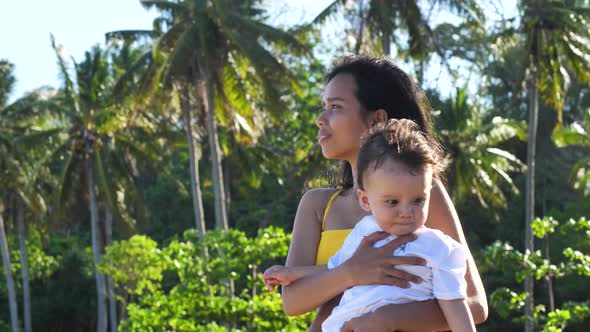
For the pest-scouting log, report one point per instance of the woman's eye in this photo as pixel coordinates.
(334, 107)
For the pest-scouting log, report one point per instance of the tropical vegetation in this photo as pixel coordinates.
(151, 189)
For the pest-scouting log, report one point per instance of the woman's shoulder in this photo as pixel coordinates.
(318, 196)
(312, 205)
(316, 199)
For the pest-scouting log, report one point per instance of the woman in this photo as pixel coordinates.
(360, 92)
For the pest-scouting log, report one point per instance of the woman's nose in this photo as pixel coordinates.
(321, 120)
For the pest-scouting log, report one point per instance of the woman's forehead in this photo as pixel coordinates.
(341, 87)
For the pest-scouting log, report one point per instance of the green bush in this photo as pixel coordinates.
(201, 284)
(502, 262)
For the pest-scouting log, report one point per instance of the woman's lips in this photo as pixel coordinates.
(323, 138)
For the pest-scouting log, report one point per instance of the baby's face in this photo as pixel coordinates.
(397, 197)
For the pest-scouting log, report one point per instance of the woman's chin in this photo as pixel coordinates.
(334, 155)
(329, 154)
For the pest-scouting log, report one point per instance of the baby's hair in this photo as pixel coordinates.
(399, 140)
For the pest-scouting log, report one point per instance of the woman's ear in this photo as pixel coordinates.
(379, 116)
(364, 200)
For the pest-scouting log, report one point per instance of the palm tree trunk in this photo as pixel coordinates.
(549, 280)
(386, 44)
(108, 225)
(218, 187)
(9, 281)
(219, 194)
(20, 216)
(100, 282)
(359, 36)
(530, 193)
(194, 162)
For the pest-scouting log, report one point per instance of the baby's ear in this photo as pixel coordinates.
(364, 200)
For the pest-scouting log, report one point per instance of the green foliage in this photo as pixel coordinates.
(544, 227)
(40, 264)
(183, 287)
(65, 299)
(7, 80)
(502, 257)
(267, 133)
(478, 168)
(134, 264)
(506, 301)
(579, 135)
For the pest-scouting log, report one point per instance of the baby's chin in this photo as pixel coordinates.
(401, 231)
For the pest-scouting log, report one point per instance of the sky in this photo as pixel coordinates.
(25, 26)
(77, 25)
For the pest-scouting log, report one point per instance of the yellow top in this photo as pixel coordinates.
(331, 240)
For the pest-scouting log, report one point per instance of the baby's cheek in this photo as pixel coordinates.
(422, 214)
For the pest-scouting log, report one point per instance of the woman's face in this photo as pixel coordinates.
(341, 124)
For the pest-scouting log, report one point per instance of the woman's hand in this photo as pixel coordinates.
(371, 265)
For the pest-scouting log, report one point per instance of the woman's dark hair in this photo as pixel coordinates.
(399, 140)
(380, 84)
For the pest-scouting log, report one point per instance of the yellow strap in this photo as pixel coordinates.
(330, 202)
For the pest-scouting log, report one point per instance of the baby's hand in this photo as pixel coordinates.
(278, 275)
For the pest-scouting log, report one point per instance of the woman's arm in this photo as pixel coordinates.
(367, 266)
(442, 216)
(458, 315)
(408, 317)
(303, 250)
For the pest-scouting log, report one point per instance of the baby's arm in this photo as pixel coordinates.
(458, 315)
(283, 275)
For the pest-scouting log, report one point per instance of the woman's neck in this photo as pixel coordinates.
(354, 178)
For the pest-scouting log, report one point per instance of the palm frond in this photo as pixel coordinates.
(106, 185)
(328, 12)
(129, 35)
(506, 155)
(38, 137)
(268, 33)
(163, 5)
(65, 181)
(68, 83)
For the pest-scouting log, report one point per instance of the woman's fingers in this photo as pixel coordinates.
(369, 241)
(403, 275)
(398, 242)
(406, 260)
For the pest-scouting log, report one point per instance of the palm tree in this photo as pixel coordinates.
(21, 179)
(6, 83)
(9, 281)
(478, 167)
(218, 44)
(557, 37)
(19, 182)
(162, 84)
(385, 19)
(98, 140)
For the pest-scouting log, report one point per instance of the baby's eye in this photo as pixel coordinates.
(391, 202)
(420, 200)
